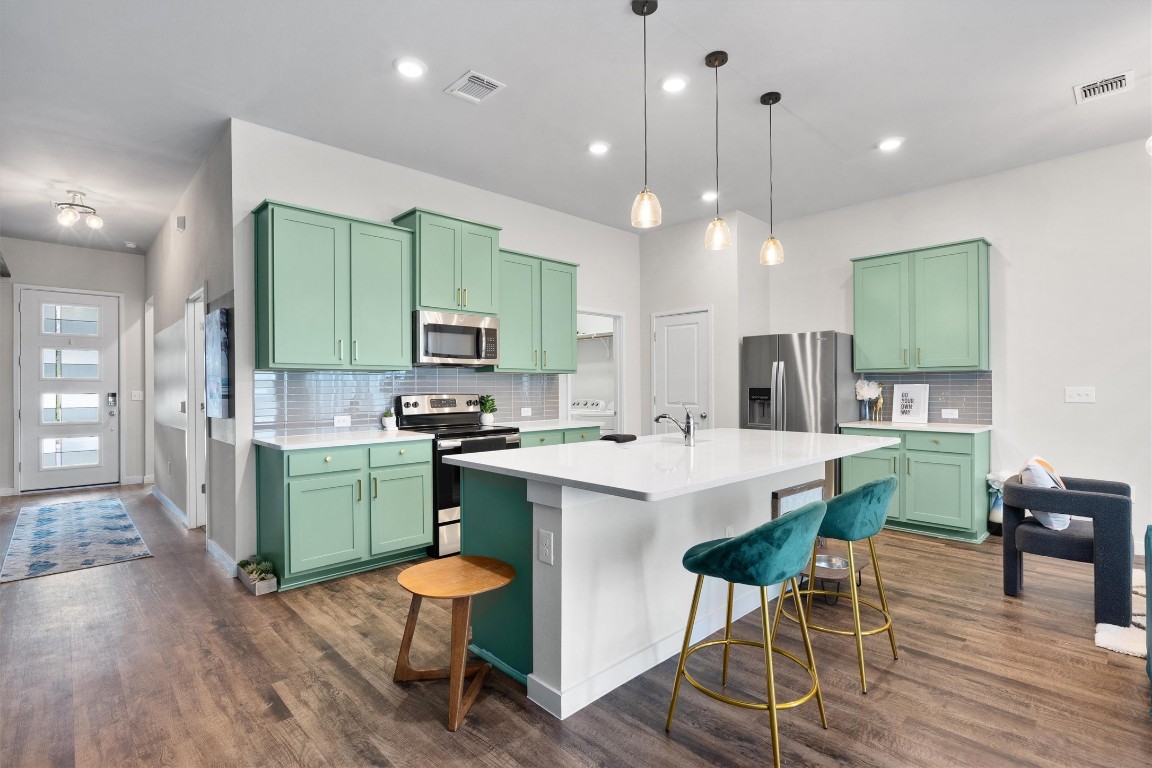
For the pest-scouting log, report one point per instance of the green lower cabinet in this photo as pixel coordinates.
(941, 476)
(324, 513)
(537, 439)
(401, 508)
(581, 435)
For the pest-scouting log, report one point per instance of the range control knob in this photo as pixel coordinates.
(407, 405)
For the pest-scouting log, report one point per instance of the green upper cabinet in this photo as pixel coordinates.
(331, 292)
(537, 314)
(457, 262)
(924, 310)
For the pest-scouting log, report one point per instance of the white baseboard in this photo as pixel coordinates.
(7, 491)
(221, 556)
(149, 479)
(132, 480)
(170, 507)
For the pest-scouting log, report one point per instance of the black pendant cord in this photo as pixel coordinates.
(645, 21)
(716, 71)
(771, 169)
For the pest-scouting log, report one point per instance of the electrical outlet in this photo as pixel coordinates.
(546, 554)
(949, 413)
(525, 411)
(1079, 394)
(344, 420)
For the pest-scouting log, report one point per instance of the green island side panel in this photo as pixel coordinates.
(496, 521)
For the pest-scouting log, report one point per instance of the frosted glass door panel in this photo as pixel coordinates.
(70, 363)
(57, 408)
(68, 320)
(65, 452)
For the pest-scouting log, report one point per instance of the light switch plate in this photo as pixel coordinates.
(344, 420)
(949, 413)
(1079, 394)
(137, 394)
(525, 411)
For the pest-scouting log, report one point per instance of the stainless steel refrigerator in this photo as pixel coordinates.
(797, 382)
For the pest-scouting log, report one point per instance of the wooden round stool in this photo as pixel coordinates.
(457, 579)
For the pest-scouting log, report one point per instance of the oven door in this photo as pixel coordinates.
(446, 491)
(446, 338)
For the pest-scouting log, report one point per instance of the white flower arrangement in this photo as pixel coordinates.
(867, 390)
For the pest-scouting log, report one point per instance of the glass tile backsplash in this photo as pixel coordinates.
(969, 393)
(300, 402)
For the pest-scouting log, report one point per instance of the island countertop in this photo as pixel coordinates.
(657, 467)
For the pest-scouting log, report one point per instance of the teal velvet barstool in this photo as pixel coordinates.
(852, 516)
(771, 554)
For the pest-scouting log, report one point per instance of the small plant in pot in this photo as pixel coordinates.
(487, 409)
(258, 574)
(388, 420)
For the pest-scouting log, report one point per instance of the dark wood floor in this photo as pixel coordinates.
(167, 661)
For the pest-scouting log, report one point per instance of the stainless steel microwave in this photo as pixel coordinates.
(449, 338)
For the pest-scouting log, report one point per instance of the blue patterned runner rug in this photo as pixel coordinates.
(55, 538)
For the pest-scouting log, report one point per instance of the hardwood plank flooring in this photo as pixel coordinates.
(169, 661)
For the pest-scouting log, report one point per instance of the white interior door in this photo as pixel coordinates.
(682, 367)
(196, 446)
(69, 381)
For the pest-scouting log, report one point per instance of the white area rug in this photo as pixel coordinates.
(1131, 640)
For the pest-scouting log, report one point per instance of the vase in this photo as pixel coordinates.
(388, 422)
(487, 419)
(865, 410)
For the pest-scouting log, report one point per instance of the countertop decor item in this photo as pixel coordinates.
(771, 253)
(646, 207)
(867, 392)
(910, 403)
(388, 420)
(258, 575)
(487, 409)
(878, 406)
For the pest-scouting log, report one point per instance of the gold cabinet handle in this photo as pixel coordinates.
(545, 358)
(402, 451)
(340, 354)
(534, 354)
(459, 297)
(542, 439)
(465, 297)
(355, 350)
(328, 459)
(908, 460)
(893, 465)
(904, 356)
(359, 489)
(375, 488)
(917, 356)
(935, 441)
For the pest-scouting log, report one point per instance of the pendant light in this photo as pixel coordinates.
(646, 207)
(718, 237)
(771, 253)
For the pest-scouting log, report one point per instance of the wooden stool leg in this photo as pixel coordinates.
(458, 702)
(404, 670)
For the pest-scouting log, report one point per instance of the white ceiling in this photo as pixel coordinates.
(123, 98)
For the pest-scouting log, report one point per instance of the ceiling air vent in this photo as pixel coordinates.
(473, 87)
(1106, 87)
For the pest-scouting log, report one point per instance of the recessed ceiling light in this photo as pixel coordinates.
(129, 244)
(410, 67)
(890, 144)
(674, 83)
(709, 196)
(599, 147)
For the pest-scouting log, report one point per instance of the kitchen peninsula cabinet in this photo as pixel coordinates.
(923, 310)
(457, 262)
(332, 293)
(539, 438)
(330, 511)
(537, 315)
(941, 475)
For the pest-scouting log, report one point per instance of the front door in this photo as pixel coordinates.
(69, 398)
(682, 367)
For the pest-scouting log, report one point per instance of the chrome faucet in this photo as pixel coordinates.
(688, 428)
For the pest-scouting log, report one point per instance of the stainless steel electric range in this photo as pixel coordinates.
(454, 421)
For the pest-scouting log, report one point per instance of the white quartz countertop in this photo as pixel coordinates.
(939, 426)
(542, 426)
(338, 439)
(657, 467)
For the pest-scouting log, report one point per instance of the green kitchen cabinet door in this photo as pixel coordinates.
(865, 467)
(401, 507)
(327, 524)
(585, 435)
(881, 314)
(938, 489)
(519, 313)
(557, 317)
(308, 278)
(542, 438)
(951, 307)
(381, 297)
(479, 268)
(439, 273)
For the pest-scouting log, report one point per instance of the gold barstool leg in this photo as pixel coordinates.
(727, 635)
(856, 616)
(883, 599)
(779, 609)
(807, 648)
(684, 652)
(772, 715)
(812, 574)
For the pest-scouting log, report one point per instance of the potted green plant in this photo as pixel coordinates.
(258, 574)
(487, 409)
(388, 420)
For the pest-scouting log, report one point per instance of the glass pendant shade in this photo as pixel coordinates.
(646, 210)
(68, 216)
(94, 221)
(718, 237)
(771, 253)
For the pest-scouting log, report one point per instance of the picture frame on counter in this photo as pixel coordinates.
(910, 403)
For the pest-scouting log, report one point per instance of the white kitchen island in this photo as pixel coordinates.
(615, 520)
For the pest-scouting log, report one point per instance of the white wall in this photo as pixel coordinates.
(271, 164)
(1071, 269)
(66, 266)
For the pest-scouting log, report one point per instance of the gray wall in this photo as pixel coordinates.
(66, 266)
(170, 390)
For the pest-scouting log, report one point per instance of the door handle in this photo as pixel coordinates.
(908, 460)
(359, 489)
(355, 350)
(703, 416)
(375, 488)
(893, 465)
(534, 354)
(465, 297)
(904, 356)
(459, 297)
(545, 358)
(340, 348)
(917, 356)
